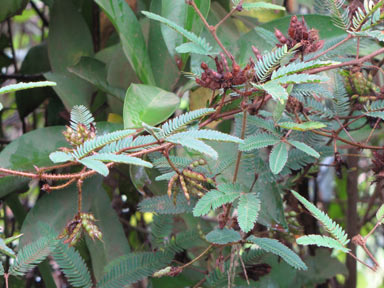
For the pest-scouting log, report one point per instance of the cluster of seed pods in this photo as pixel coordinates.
(298, 33)
(224, 76)
(78, 137)
(73, 229)
(189, 177)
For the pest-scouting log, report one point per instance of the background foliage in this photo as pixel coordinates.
(133, 76)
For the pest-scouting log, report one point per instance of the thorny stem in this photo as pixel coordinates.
(348, 63)
(79, 195)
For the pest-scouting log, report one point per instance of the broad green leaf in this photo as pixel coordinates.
(23, 86)
(147, 104)
(223, 236)
(380, 214)
(262, 5)
(26, 151)
(321, 241)
(159, 55)
(248, 211)
(306, 126)
(131, 36)
(11, 7)
(258, 141)
(58, 207)
(94, 71)
(65, 48)
(278, 157)
(71, 89)
(305, 148)
(277, 248)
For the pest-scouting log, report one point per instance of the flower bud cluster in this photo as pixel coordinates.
(78, 137)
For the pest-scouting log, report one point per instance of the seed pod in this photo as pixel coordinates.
(170, 185)
(88, 216)
(204, 66)
(184, 188)
(194, 175)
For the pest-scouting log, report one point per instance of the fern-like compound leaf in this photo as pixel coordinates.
(225, 193)
(99, 142)
(184, 240)
(32, 255)
(321, 241)
(223, 236)
(279, 249)
(274, 89)
(60, 157)
(367, 16)
(305, 148)
(81, 115)
(297, 67)
(278, 157)
(258, 141)
(199, 44)
(196, 145)
(121, 158)
(248, 211)
(205, 135)
(133, 267)
(332, 227)
(72, 265)
(269, 62)
(183, 120)
(305, 126)
(1, 269)
(23, 86)
(300, 79)
(95, 165)
(340, 16)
